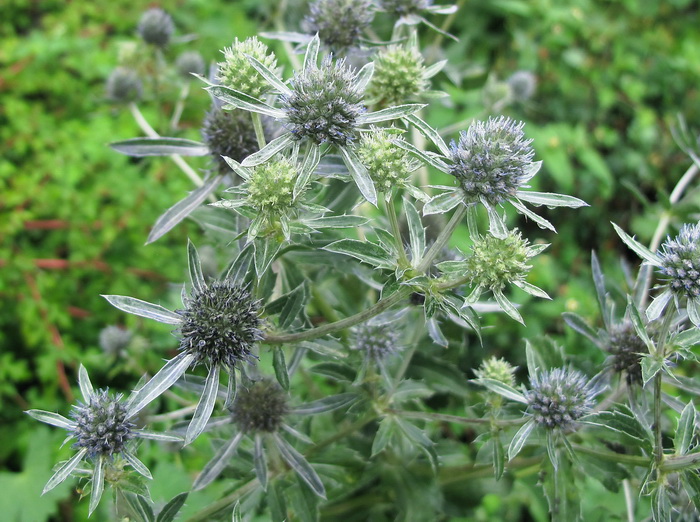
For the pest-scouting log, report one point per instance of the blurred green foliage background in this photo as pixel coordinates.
(74, 215)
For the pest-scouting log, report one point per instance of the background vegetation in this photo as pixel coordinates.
(74, 215)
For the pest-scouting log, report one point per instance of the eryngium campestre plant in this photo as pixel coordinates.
(230, 134)
(491, 160)
(680, 262)
(559, 397)
(260, 407)
(113, 339)
(388, 165)
(124, 85)
(522, 85)
(376, 341)
(404, 7)
(495, 263)
(236, 71)
(101, 425)
(188, 63)
(156, 27)
(271, 186)
(339, 23)
(626, 349)
(324, 103)
(220, 325)
(399, 75)
(498, 370)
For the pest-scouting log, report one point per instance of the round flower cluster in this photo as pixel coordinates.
(491, 160)
(387, 163)
(626, 349)
(404, 7)
(114, 339)
(324, 103)
(522, 85)
(190, 62)
(376, 341)
(102, 426)
(680, 261)
(495, 262)
(156, 27)
(236, 71)
(261, 407)
(399, 75)
(220, 324)
(124, 85)
(559, 397)
(498, 370)
(230, 134)
(271, 186)
(339, 23)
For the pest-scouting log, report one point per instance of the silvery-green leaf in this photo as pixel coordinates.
(64, 471)
(311, 161)
(183, 208)
(430, 133)
(693, 309)
(161, 381)
(243, 101)
(499, 457)
(532, 289)
(269, 150)
(269, 75)
(297, 434)
(416, 193)
(443, 202)
(218, 462)
(658, 304)
(85, 385)
(286, 36)
(434, 69)
(416, 232)
(579, 324)
(231, 389)
(364, 76)
(172, 508)
(299, 464)
(442, 9)
(311, 55)
(638, 248)
(239, 267)
(260, 462)
(497, 224)
(599, 282)
(541, 222)
(138, 466)
(326, 404)
(264, 255)
(686, 429)
(98, 483)
(550, 199)
(280, 367)
(137, 506)
(507, 306)
(387, 428)
(390, 113)
(535, 362)
(195, 266)
(428, 157)
(239, 169)
(156, 435)
(54, 419)
(530, 171)
(359, 174)
(639, 325)
(347, 221)
(503, 389)
(366, 252)
(435, 333)
(520, 439)
(205, 406)
(140, 147)
(143, 309)
(651, 365)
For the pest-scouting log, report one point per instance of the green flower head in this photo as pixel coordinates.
(237, 73)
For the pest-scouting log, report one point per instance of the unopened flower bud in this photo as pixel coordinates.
(236, 71)
(399, 75)
(495, 263)
(339, 23)
(156, 27)
(123, 86)
(261, 407)
(188, 63)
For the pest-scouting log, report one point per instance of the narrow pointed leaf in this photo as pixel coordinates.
(172, 508)
(334, 402)
(218, 462)
(434, 69)
(658, 305)
(541, 222)
(390, 113)
(531, 289)
(239, 169)
(550, 199)
(98, 484)
(416, 232)
(507, 306)
(387, 428)
(260, 462)
(427, 157)
(364, 76)
(365, 251)
(443, 202)
(520, 439)
(85, 385)
(205, 406)
(138, 466)
(160, 382)
(685, 430)
(195, 265)
(156, 435)
(503, 389)
(264, 255)
(302, 468)
(497, 225)
(430, 133)
(499, 458)
(65, 470)
(579, 324)
(435, 333)
(140, 147)
(311, 161)
(638, 248)
(599, 282)
(280, 367)
(231, 389)
(311, 55)
(359, 174)
(347, 221)
(241, 100)
(54, 419)
(639, 325)
(143, 309)
(269, 150)
(693, 309)
(297, 434)
(269, 75)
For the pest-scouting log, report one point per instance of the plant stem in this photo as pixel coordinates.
(430, 416)
(259, 131)
(660, 353)
(180, 106)
(682, 462)
(443, 238)
(394, 222)
(616, 457)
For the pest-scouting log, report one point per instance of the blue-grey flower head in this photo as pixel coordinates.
(156, 27)
(188, 63)
(626, 348)
(339, 23)
(491, 160)
(680, 261)
(261, 407)
(376, 341)
(325, 103)
(124, 86)
(522, 85)
(220, 324)
(113, 339)
(230, 134)
(557, 398)
(404, 7)
(102, 427)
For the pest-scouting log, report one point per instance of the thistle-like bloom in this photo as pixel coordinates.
(626, 349)
(124, 86)
(399, 75)
(558, 398)
(218, 326)
(113, 339)
(497, 370)
(230, 134)
(156, 27)
(188, 63)
(492, 162)
(103, 431)
(260, 408)
(339, 23)
(323, 104)
(389, 165)
(522, 85)
(376, 341)
(404, 7)
(412, 12)
(236, 71)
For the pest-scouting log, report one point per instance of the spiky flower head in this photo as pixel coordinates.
(220, 324)
(491, 160)
(626, 349)
(156, 27)
(230, 134)
(271, 186)
(101, 425)
(124, 85)
(376, 341)
(559, 397)
(113, 339)
(495, 263)
(261, 407)
(237, 73)
(399, 75)
(324, 103)
(680, 261)
(404, 7)
(388, 164)
(339, 23)
(188, 63)
(498, 370)
(522, 85)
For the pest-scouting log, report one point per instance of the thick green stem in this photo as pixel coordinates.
(430, 416)
(259, 131)
(396, 231)
(615, 457)
(443, 238)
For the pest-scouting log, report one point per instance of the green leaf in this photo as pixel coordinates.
(97, 483)
(637, 247)
(580, 325)
(140, 147)
(416, 232)
(390, 113)
(336, 371)
(685, 430)
(269, 76)
(243, 101)
(264, 254)
(535, 361)
(658, 305)
(365, 251)
(161, 381)
(387, 429)
(346, 221)
(239, 268)
(299, 464)
(172, 508)
(498, 229)
(599, 282)
(260, 461)
(520, 438)
(549, 199)
(276, 503)
(311, 55)
(443, 202)
(195, 266)
(507, 306)
(626, 425)
(311, 161)
(139, 507)
(364, 76)
(430, 133)
(427, 157)
(541, 222)
(639, 325)
(326, 404)
(280, 367)
(499, 457)
(687, 338)
(503, 389)
(205, 406)
(52, 418)
(216, 465)
(273, 147)
(143, 309)
(359, 174)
